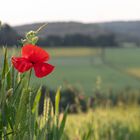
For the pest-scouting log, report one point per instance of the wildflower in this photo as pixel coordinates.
(33, 57)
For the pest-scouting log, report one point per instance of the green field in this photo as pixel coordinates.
(81, 67)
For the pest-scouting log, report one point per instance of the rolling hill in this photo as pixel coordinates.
(124, 30)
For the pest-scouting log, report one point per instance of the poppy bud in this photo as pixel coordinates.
(34, 40)
(31, 38)
(30, 35)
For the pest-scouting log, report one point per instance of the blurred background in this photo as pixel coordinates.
(94, 45)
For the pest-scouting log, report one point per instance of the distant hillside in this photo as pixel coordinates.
(129, 30)
(124, 31)
(63, 28)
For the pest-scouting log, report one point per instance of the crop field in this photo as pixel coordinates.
(82, 67)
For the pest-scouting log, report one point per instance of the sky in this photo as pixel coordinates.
(17, 12)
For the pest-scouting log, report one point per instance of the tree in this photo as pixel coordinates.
(8, 36)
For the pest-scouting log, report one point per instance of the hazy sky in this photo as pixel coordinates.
(17, 12)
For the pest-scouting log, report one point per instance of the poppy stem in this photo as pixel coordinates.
(29, 78)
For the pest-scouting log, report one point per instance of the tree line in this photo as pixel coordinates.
(9, 37)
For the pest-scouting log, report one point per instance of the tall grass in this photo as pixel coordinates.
(119, 123)
(19, 117)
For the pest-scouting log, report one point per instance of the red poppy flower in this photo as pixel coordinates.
(33, 57)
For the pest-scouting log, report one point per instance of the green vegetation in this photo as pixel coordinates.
(83, 70)
(101, 86)
(19, 105)
(121, 123)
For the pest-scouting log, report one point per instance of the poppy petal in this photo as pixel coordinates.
(43, 69)
(21, 64)
(34, 53)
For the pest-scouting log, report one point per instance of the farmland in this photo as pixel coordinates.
(82, 67)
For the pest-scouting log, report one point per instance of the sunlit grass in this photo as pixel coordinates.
(134, 71)
(118, 122)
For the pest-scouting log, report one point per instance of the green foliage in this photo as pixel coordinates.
(72, 97)
(19, 118)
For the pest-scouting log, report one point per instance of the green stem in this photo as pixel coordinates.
(29, 105)
(13, 77)
(8, 134)
(29, 78)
